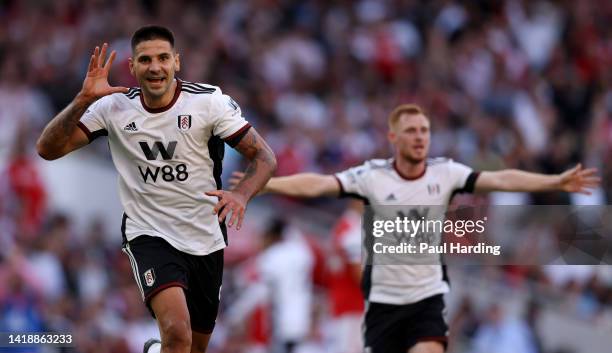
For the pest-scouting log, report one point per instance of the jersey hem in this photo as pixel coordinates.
(175, 245)
(384, 299)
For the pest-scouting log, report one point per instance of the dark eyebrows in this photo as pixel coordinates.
(164, 55)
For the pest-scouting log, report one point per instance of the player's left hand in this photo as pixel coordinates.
(229, 201)
(579, 180)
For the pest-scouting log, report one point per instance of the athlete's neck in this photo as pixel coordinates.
(160, 102)
(409, 169)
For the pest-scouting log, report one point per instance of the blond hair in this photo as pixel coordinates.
(410, 109)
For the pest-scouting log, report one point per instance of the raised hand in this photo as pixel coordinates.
(579, 180)
(96, 83)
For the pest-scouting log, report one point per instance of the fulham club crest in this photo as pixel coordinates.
(149, 277)
(184, 122)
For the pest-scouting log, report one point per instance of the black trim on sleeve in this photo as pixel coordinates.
(470, 184)
(356, 196)
(342, 192)
(98, 133)
(85, 130)
(237, 136)
(91, 135)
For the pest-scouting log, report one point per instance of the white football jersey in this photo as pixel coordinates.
(167, 158)
(379, 183)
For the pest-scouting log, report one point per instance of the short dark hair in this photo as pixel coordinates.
(152, 32)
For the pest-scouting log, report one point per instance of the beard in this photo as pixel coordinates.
(156, 92)
(413, 159)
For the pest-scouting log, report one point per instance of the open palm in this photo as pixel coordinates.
(579, 180)
(96, 83)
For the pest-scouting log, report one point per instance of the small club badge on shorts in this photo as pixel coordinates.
(184, 122)
(149, 277)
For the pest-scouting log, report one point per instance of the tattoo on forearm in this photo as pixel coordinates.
(262, 165)
(251, 170)
(59, 130)
(256, 150)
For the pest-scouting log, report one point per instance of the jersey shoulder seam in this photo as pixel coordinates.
(132, 92)
(438, 161)
(197, 88)
(373, 164)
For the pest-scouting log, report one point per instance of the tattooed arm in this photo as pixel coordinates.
(61, 135)
(262, 163)
(260, 169)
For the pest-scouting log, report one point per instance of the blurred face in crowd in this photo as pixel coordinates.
(410, 135)
(154, 63)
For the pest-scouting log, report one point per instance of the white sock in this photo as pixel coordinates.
(155, 348)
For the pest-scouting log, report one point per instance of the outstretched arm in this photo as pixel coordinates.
(262, 164)
(61, 136)
(576, 179)
(305, 185)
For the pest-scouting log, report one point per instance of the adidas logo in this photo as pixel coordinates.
(391, 197)
(131, 127)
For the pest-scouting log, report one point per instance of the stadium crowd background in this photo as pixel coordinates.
(507, 84)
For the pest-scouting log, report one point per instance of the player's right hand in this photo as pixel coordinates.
(96, 83)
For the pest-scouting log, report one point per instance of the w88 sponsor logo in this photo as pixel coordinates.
(168, 173)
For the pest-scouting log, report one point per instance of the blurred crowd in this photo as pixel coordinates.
(507, 83)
